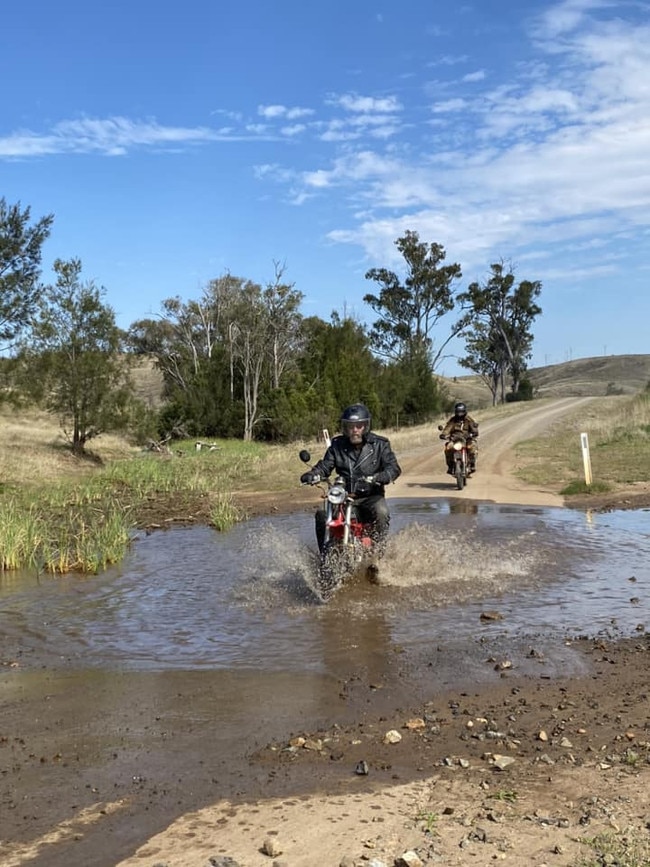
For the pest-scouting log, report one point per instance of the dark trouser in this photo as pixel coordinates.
(373, 510)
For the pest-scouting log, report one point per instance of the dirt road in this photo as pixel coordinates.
(424, 472)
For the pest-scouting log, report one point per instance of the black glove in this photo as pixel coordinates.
(309, 478)
(443, 437)
(363, 488)
(381, 478)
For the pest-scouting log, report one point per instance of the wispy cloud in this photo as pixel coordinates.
(113, 136)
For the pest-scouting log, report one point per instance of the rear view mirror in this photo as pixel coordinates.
(304, 456)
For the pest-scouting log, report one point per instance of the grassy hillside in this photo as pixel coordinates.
(584, 377)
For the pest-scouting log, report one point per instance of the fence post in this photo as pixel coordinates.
(586, 460)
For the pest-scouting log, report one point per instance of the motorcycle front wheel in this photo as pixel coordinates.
(460, 476)
(331, 569)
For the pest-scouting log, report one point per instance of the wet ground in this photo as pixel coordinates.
(178, 679)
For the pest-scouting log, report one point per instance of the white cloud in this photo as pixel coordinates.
(366, 104)
(110, 136)
(114, 136)
(457, 104)
(566, 16)
(293, 129)
(271, 112)
(479, 75)
(556, 156)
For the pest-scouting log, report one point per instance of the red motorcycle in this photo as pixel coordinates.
(348, 545)
(462, 463)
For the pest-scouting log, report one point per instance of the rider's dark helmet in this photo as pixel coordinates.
(356, 413)
(460, 410)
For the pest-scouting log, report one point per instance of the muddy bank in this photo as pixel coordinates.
(89, 778)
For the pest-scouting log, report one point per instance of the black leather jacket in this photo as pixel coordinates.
(375, 458)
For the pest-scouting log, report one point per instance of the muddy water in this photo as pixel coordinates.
(152, 684)
(194, 599)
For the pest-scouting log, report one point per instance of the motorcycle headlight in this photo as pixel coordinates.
(458, 445)
(337, 494)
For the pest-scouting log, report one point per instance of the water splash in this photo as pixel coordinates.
(279, 569)
(457, 565)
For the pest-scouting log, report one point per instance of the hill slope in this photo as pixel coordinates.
(584, 377)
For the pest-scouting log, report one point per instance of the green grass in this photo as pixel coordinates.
(580, 487)
(87, 523)
(624, 849)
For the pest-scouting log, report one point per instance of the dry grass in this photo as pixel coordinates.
(33, 450)
(618, 430)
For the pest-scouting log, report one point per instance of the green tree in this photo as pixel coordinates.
(498, 320)
(409, 310)
(73, 360)
(263, 325)
(221, 356)
(20, 258)
(338, 367)
(485, 356)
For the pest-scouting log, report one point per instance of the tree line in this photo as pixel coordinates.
(242, 360)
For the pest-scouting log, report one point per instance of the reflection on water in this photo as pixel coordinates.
(196, 599)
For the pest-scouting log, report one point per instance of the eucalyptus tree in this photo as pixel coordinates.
(221, 354)
(21, 244)
(409, 309)
(485, 357)
(73, 360)
(498, 319)
(264, 327)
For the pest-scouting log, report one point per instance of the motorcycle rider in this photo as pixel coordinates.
(367, 463)
(461, 422)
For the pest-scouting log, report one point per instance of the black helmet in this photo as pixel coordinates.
(460, 410)
(356, 413)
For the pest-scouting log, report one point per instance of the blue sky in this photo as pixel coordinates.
(174, 142)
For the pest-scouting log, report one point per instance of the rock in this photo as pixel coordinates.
(502, 762)
(415, 724)
(409, 859)
(362, 768)
(392, 737)
(487, 616)
(542, 736)
(223, 861)
(271, 847)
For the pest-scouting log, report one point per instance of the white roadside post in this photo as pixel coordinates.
(326, 437)
(586, 460)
